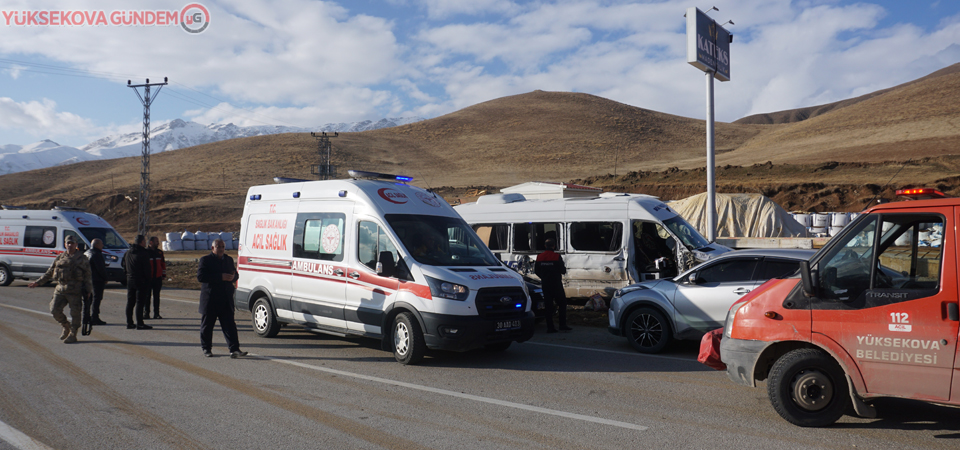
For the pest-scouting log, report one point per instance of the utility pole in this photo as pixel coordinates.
(324, 170)
(142, 214)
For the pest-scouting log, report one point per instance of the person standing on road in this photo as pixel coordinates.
(137, 264)
(217, 273)
(158, 270)
(71, 271)
(98, 267)
(550, 268)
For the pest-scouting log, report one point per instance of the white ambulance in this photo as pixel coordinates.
(31, 239)
(373, 256)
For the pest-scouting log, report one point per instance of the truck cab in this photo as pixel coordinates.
(873, 314)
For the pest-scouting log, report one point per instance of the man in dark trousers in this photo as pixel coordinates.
(137, 265)
(217, 273)
(98, 266)
(158, 270)
(550, 268)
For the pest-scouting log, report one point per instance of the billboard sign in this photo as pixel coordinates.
(708, 44)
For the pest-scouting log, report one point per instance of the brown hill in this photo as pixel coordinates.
(837, 160)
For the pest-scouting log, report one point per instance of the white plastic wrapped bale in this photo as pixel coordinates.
(839, 219)
(176, 246)
(226, 236)
(188, 236)
(804, 219)
(200, 236)
(228, 245)
(171, 237)
(165, 246)
(821, 220)
(189, 245)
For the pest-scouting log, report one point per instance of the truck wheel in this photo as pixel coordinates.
(647, 330)
(498, 347)
(264, 320)
(5, 276)
(807, 388)
(408, 344)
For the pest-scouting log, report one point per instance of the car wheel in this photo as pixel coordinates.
(5, 276)
(647, 330)
(498, 347)
(264, 320)
(807, 388)
(408, 344)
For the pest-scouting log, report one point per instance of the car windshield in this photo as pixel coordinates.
(687, 234)
(440, 241)
(110, 238)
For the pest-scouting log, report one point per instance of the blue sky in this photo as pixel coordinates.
(306, 63)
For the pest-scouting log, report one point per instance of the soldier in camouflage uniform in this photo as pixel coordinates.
(71, 271)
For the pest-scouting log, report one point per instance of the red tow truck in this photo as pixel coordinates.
(873, 314)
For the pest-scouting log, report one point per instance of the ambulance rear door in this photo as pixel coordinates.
(884, 290)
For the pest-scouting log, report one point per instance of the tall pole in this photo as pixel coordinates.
(711, 166)
(143, 218)
(325, 170)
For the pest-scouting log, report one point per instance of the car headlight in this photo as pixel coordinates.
(446, 289)
(626, 290)
(111, 258)
(731, 316)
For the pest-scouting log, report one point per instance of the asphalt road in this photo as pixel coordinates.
(120, 388)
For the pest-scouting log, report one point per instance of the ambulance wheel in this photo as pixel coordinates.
(807, 388)
(264, 320)
(5, 276)
(647, 330)
(408, 344)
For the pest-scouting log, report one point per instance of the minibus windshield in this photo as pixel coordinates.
(687, 234)
(440, 241)
(110, 238)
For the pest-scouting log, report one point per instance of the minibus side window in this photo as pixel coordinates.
(374, 246)
(596, 236)
(43, 237)
(525, 234)
(495, 236)
(319, 236)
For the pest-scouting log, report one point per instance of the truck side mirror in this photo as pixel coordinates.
(809, 289)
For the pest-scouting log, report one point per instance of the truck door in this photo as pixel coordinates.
(367, 290)
(884, 290)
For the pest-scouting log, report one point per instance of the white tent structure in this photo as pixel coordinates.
(741, 215)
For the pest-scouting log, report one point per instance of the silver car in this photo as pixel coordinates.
(651, 313)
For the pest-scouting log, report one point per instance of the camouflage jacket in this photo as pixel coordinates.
(72, 274)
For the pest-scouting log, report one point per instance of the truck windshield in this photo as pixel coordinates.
(440, 241)
(687, 234)
(110, 238)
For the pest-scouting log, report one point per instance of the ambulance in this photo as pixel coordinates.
(376, 257)
(873, 314)
(31, 239)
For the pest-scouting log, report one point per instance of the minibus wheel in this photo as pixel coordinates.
(647, 330)
(408, 344)
(807, 388)
(5, 276)
(264, 320)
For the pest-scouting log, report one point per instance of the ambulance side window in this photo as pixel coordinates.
(80, 244)
(374, 246)
(42, 237)
(319, 236)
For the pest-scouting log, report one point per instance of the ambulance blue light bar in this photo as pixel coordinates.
(378, 175)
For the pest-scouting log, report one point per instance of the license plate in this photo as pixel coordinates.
(508, 325)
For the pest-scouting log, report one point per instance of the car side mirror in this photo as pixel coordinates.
(807, 279)
(692, 279)
(379, 268)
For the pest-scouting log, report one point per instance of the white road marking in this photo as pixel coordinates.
(44, 313)
(124, 295)
(19, 440)
(475, 398)
(618, 352)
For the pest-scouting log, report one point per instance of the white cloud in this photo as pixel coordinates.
(440, 9)
(40, 118)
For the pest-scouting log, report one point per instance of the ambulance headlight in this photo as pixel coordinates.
(446, 289)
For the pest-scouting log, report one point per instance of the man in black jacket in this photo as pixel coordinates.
(217, 273)
(550, 268)
(137, 264)
(98, 266)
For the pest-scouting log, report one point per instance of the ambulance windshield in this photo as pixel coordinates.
(440, 241)
(110, 238)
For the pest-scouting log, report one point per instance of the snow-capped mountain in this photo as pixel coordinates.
(173, 135)
(46, 153)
